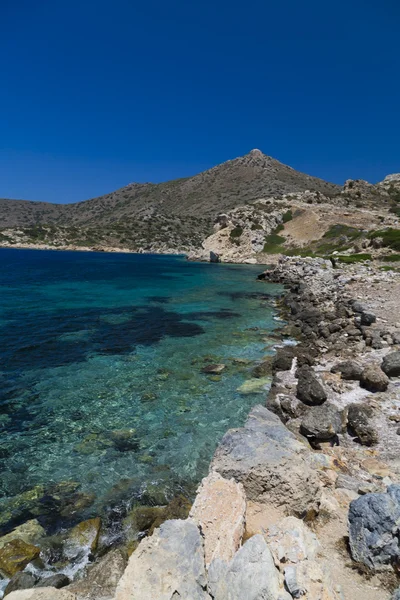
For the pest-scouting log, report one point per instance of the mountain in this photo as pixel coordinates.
(177, 214)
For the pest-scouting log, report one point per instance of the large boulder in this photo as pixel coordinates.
(219, 509)
(101, 579)
(309, 389)
(169, 564)
(251, 574)
(270, 462)
(15, 555)
(391, 364)
(374, 379)
(323, 423)
(374, 528)
(359, 423)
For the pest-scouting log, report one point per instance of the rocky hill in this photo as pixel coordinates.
(176, 214)
(250, 194)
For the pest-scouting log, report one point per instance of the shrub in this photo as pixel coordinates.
(288, 216)
(353, 258)
(390, 237)
(236, 232)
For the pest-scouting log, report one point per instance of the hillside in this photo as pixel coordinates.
(176, 215)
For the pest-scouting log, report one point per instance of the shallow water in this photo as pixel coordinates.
(100, 369)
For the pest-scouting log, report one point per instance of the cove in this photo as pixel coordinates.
(101, 382)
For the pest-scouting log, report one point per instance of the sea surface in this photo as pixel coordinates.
(101, 359)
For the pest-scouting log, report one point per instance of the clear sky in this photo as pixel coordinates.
(95, 94)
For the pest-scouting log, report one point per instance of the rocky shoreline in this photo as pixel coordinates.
(303, 501)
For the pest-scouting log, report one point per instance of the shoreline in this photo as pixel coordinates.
(314, 481)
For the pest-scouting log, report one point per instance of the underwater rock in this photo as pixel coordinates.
(125, 440)
(213, 369)
(20, 508)
(254, 386)
(15, 555)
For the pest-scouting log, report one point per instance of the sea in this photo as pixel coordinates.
(102, 388)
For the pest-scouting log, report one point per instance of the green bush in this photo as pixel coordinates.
(236, 232)
(390, 237)
(390, 258)
(342, 230)
(353, 258)
(288, 216)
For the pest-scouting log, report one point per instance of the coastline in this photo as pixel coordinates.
(318, 478)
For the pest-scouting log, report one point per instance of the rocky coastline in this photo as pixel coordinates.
(304, 500)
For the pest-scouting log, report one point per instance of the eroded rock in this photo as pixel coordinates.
(251, 574)
(168, 565)
(270, 462)
(219, 509)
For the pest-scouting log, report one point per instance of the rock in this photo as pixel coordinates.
(146, 518)
(359, 423)
(30, 532)
(15, 555)
(376, 468)
(391, 364)
(349, 369)
(125, 440)
(219, 508)
(101, 580)
(168, 565)
(213, 369)
(286, 406)
(283, 359)
(263, 369)
(374, 379)
(396, 595)
(20, 581)
(309, 389)
(359, 307)
(250, 575)
(291, 541)
(374, 530)
(58, 581)
(295, 549)
(255, 386)
(323, 423)
(39, 593)
(270, 462)
(84, 535)
(347, 482)
(367, 318)
(214, 257)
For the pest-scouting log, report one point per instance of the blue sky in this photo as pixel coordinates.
(96, 94)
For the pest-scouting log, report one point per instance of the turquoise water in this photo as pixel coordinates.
(100, 369)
